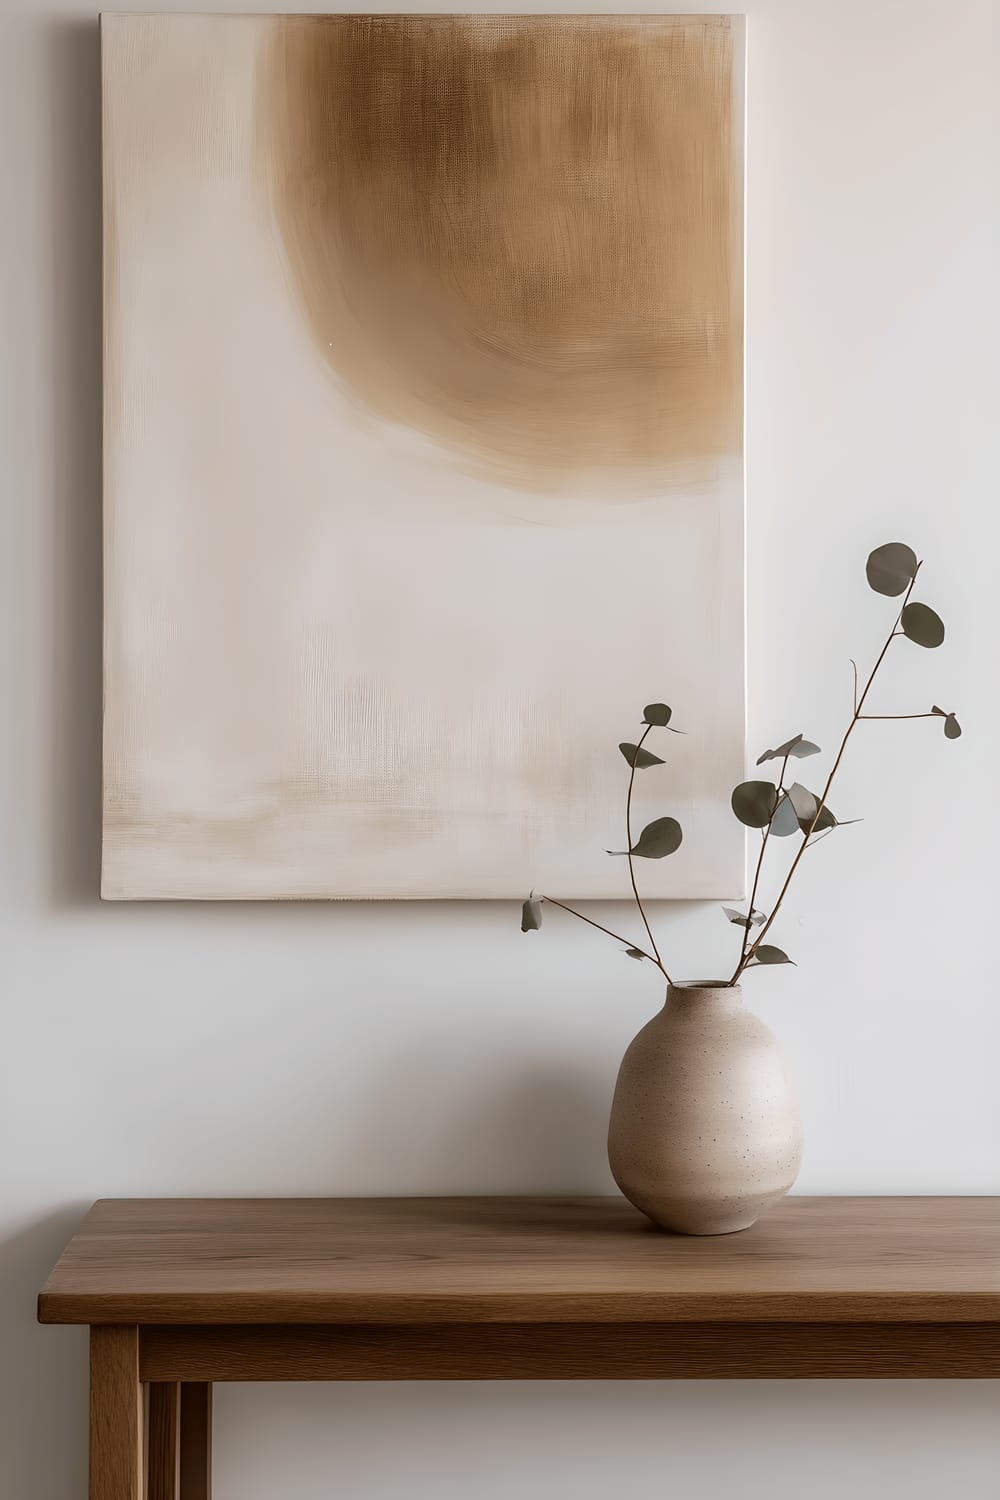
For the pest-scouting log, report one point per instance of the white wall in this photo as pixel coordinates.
(316, 1049)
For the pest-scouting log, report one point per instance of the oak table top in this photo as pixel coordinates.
(183, 1293)
(406, 1261)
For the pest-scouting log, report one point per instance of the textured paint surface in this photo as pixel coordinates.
(379, 607)
(516, 233)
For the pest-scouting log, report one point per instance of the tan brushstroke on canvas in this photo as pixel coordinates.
(519, 235)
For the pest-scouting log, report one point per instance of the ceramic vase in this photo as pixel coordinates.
(705, 1132)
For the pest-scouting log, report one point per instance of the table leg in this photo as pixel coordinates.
(196, 1441)
(116, 1414)
(163, 1440)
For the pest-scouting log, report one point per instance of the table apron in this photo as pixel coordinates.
(560, 1351)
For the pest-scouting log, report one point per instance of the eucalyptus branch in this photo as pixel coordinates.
(756, 876)
(631, 864)
(658, 839)
(591, 923)
(821, 803)
(764, 802)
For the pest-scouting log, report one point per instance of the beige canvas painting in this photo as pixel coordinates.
(423, 452)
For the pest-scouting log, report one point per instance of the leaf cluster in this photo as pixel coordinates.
(769, 805)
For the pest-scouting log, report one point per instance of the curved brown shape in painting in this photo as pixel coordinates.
(520, 235)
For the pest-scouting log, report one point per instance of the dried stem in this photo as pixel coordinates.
(591, 923)
(631, 865)
(807, 833)
(654, 957)
(869, 717)
(756, 876)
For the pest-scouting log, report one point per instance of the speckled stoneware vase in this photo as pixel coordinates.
(705, 1132)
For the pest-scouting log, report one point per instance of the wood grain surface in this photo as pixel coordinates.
(163, 1441)
(574, 1351)
(196, 1441)
(523, 1260)
(116, 1415)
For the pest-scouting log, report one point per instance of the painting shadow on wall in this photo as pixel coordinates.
(74, 844)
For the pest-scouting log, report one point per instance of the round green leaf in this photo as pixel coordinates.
(753, 802)
(639, 758)
(781, 752)
(531, 915)
(767, 953)
(803, 806)
(922, 625)
(740, 919)
(797, 748)
(784, 821)
(657, 839)
(952, 728)
(806, 804)
(891, 568)
(656, 713)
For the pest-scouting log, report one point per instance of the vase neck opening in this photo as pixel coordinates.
(714, 992)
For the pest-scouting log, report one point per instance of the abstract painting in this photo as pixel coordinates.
(423, 451)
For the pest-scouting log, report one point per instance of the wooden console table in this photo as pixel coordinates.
(180, 1293)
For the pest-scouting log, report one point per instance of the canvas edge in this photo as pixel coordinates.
(741, 85)
(106, 21)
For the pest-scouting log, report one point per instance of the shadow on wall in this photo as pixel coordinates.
(74, 80)
(528, 1129)
(44, 1371)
